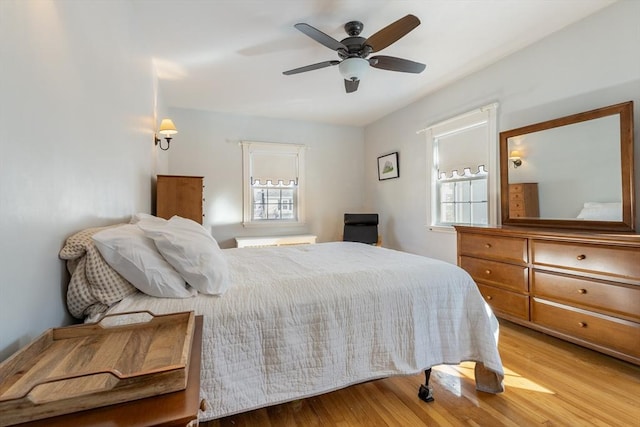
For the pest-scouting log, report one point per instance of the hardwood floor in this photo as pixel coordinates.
(548, 382)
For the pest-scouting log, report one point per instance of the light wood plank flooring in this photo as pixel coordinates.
(548, 382)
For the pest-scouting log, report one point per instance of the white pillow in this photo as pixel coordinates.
(192, 251)
(145, 216)
(601, 211)
(135, 257)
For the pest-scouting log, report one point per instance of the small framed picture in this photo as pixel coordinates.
(388, 167)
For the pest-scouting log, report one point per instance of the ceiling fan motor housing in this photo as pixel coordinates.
(356, 47)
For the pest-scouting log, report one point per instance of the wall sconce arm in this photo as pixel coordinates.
(159, 142)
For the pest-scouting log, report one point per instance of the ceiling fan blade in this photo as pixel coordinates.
(392, 32)
(351, 85)
(320, 37)
(392, 63)
(310, 67)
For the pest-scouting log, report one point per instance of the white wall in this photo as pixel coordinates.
(591, 64)
(76, 147)
(208, 145)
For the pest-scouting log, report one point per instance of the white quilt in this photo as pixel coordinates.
(304, 320)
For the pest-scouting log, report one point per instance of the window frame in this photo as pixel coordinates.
(483, 116)
(274, 148)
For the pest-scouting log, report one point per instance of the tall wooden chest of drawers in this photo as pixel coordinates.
(581, 287)
(179, 195)
(523, 200)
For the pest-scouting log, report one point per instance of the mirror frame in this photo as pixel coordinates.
(625, 110)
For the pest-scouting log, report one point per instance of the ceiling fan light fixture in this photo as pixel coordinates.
(353, 68)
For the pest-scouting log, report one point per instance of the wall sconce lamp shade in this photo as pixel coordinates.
(353, 68)
(515, 158)
(167, 128)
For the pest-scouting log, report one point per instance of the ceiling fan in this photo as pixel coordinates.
(354, 50)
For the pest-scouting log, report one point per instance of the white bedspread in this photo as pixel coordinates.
(304, 320)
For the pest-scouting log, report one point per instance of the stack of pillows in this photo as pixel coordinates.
(175, 258)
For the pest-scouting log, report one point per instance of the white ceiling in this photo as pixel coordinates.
(228, 55)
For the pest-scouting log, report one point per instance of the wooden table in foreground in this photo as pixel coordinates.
(178, 408)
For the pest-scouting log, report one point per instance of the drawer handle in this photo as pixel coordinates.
(582, 324)
(582, 291)
(489, 297)
(203, 405)
(581, 257)
(487, 245)
(487, 272)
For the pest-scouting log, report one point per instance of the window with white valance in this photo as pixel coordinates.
(273, 176)
(463, 165)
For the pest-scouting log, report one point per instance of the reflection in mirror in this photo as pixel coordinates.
(571, 172)
(576, 167)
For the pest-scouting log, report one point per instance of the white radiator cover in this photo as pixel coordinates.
(253, 242)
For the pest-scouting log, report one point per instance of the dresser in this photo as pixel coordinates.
(523, 200)
(180, 195)
(581, 287)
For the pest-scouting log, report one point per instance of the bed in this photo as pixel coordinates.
(298, 321)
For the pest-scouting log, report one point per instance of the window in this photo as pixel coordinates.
(273, 183)
(463, 199)
(272, 202)
(464, 186)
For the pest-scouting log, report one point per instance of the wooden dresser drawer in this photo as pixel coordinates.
(493, 247)
(610, 332)
(506, 302)
(515, 205)
(517, 213)
(515, 189)
(603, 297)
(513, 197)
(602, 260)
(495, 273)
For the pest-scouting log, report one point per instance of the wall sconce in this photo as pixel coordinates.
(167, 128)
(514, 156)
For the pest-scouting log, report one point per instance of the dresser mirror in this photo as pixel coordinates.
(573, 172)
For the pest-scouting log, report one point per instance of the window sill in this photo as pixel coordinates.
(442, 228)
(451, 228)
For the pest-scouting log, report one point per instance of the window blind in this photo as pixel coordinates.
(466, 148)
(277, 163)
(274, 167)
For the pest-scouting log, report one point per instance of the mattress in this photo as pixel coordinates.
(303, 320)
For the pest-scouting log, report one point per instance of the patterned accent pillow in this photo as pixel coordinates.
(94, 285)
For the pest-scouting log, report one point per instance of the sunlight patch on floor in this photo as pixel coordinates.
(466, 370)
(450, 379)
(513, 379)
